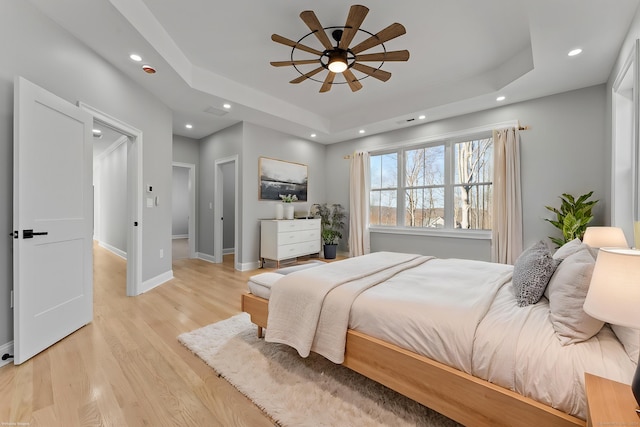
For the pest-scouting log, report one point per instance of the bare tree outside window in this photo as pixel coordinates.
(474, 168)
(446, 184)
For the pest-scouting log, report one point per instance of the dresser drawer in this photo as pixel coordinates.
(298, 249)
(298, 225)
(297, 237)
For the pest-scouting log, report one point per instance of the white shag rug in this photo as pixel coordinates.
(297, 391)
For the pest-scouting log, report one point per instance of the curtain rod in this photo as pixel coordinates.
(527, 127)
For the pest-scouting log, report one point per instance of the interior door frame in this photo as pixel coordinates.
(218, 209)
(192, 205)
(135, 190)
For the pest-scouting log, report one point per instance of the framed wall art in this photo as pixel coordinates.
(278, 177)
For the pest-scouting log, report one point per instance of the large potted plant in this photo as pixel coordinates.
(572, 218)
(331, 225)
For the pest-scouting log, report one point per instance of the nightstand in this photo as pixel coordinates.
(609, 403)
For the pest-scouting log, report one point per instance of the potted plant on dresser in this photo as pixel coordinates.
(331, 224)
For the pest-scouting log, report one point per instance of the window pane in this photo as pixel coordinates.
(473, 206)
(382, 208)
(424, 207)
(424, 166)
(473, 161)
(384, 171)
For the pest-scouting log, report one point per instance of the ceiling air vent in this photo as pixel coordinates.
(215, 111)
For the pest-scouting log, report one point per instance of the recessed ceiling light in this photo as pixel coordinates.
(501, 98)
(135, 57)
(149, 69)
(422, 117)
(227, 106)
(313, 135)
(575, 52)
(188, 126)
(361, 131)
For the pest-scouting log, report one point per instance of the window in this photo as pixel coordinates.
(439, 185)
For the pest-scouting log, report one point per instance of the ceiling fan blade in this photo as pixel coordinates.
(373, 72)
(310, 18)
(353, 83)
(285, 41)
(396, 55)
(357, 13)
(306, 76)
(328, 82)
(298, 62)
(389, 33)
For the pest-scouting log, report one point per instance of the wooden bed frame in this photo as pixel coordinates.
(464, 398)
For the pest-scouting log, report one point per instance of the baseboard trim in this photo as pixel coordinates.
(6, 349)
(180, 236)
(247, 266)
(154, 282)
(122, 254)
(206, 257)
(228, 251)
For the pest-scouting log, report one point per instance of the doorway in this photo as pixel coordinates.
(183, 207)
(225, 231)
(130, 145)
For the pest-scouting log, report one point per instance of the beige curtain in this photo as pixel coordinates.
(506, 238)
(358, 205)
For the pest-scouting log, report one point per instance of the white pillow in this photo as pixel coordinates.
(569, 248)
(567, 290)
(630, 339)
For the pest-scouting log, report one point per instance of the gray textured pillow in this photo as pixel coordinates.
(531, 273)
(567, 291)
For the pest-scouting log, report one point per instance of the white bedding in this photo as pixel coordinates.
(462, 313)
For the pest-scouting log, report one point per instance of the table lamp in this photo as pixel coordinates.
(605, 237)
(614, 293)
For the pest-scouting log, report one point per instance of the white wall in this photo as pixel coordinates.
(226, 143)
(180, 202)
(112, 183)
(228, 203)
(76, 73)
(260, 141)
(563, 152)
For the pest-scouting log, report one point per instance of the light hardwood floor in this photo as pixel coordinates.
(127, 368)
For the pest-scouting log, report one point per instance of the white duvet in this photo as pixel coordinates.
(459, 312)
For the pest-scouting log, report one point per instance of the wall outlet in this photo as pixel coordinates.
(161, 253)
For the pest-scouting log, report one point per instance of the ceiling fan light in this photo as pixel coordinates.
(337, 61)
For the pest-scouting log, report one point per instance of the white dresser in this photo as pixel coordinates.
(285, 239)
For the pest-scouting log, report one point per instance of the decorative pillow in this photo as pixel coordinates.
(566, 250)
(567, 291)
(630, 339)
(531, 273)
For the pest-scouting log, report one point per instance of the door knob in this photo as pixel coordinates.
(28, 234)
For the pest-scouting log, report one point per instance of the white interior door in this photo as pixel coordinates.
(52, 197)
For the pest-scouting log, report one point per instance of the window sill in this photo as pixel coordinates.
(458, 234)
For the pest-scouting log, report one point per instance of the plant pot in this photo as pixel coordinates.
(279, 211)
(330, 251)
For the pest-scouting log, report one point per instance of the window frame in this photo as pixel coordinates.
(448, 140)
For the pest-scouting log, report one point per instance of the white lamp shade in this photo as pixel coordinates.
(605, 237)
(614, 292)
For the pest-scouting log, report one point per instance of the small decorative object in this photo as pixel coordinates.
(331, 223)
(572, 218)
(287, 201)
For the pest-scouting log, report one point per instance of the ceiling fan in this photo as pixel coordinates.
(342, 59)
